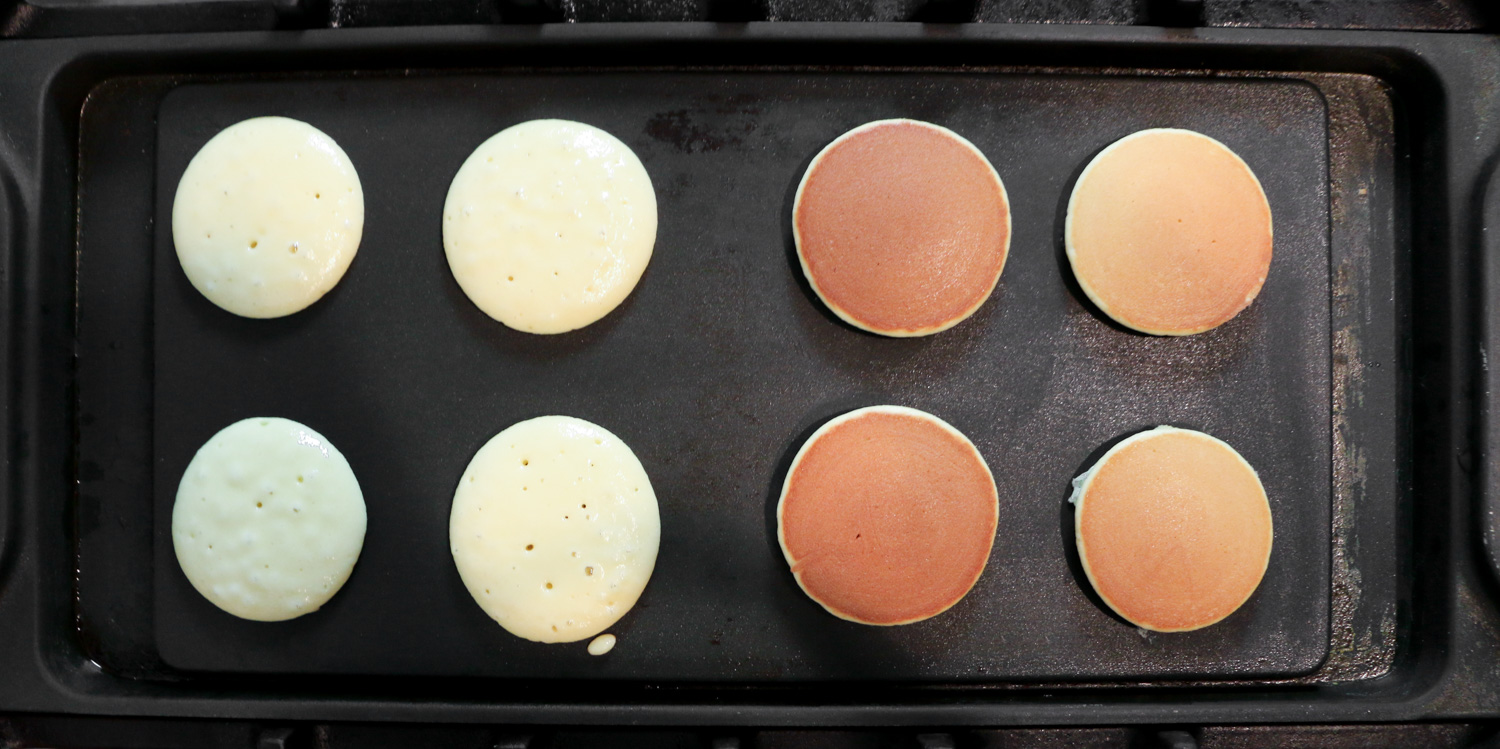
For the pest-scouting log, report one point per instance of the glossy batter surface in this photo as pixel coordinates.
(549, 225)
(267, 217)
(555, 529)
(887, 516)
(1173, 529)
(902, 227)
(269, 520)
(1169, 232)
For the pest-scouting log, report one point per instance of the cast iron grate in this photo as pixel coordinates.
(73, 18)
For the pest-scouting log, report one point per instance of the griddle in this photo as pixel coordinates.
(1349, 383)
(718, 366)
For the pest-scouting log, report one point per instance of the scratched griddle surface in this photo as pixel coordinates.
(722, 361)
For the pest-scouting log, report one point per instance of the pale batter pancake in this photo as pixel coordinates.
(267, 217)
(549, 225)
(1169, 232)
(1173, 529)
(887, 516)
(902, 227)
(555, 529)
(269, 520)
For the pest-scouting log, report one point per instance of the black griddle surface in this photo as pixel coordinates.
(722, 362)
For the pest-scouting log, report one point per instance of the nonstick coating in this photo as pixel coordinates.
(722, 361)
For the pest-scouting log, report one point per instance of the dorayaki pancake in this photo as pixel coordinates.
(267, 217)
(549, 224)
(555, 529)
(269, 520)
(1169, 232)
(1173, 528)
(887, 515)
(902, 227)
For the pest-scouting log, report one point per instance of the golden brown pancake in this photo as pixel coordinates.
(1169, 232)
(902, 227)
(887, 516)
(1173, 528)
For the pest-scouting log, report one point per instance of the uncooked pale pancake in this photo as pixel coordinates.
(1169, 232)
(1173, 528)
(555, 529)
(268, 520)
(267, 217)
(902, 227)
(549, 225)
(887, 515)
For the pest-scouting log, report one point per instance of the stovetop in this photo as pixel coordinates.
(66, 18)
(43, 19)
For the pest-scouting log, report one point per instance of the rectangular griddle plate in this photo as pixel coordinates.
(722, 361)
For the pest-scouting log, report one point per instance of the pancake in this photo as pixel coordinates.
(267, 217)
(1169, 232)
(902, 227)
(549, 225)
(555, 529)
(1173, 529)
(269, 520)
(887, 516)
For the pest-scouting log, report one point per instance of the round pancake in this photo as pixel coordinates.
(887, 516)
(902, 227)
(1169, 232)
(269, 520)
(549, 225)
(555, 529)
(267, 217)
(1173, 529)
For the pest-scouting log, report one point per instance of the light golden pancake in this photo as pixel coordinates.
(1169, 232)
(887, 516)
(555, 529)
(902, 227)
(1173, 529)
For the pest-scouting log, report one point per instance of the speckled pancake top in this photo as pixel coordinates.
(902, 227)
(887, 516)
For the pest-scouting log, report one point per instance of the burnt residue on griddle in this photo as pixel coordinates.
(709, 127)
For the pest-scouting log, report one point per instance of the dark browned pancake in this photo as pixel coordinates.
(902, 227)
(887, 516)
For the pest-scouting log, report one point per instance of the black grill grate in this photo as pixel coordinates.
(69, 18)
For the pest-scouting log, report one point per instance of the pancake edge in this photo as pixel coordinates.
(1080, 494)
(1068, 232)
(844, 314)
(802, 452)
